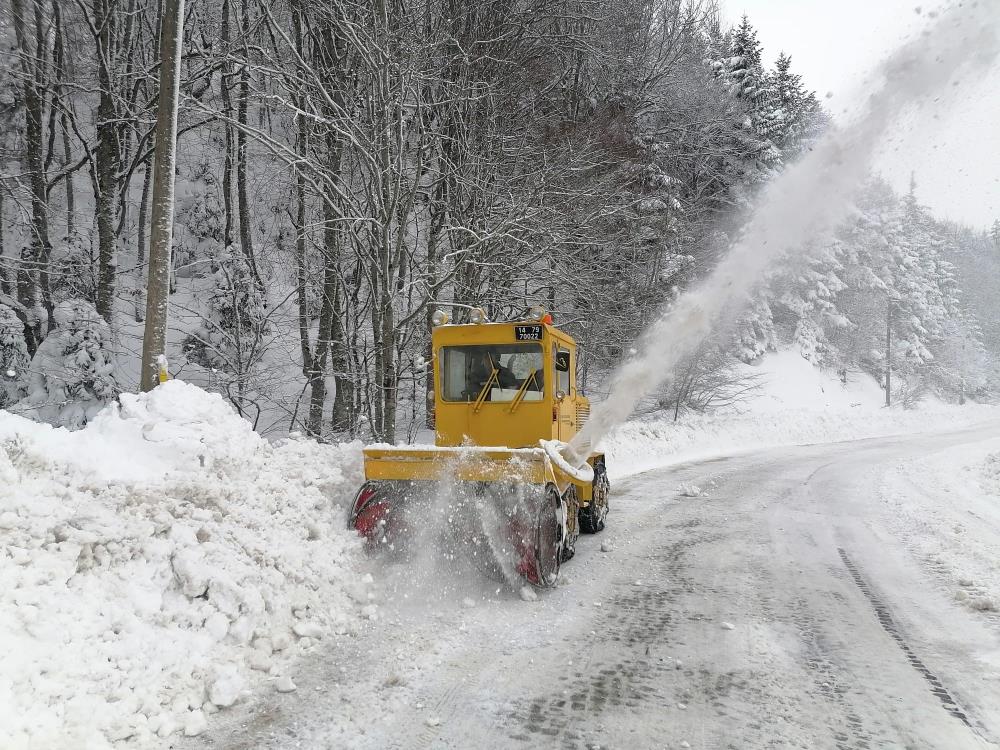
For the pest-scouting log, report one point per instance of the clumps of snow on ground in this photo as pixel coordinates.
(946, 508)
(687, 489)
(798, 403)
(990, 471)
(161, 563)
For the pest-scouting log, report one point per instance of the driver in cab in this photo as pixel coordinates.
(480, 371)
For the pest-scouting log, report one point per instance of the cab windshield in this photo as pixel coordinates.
(507, 368)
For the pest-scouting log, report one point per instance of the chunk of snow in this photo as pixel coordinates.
(167, 727)
(432, 721)
(689, 490)
(195, 723)
(307, 629)
(284, 684)
(226, 687)
(528, 594)
(190, 569)
(260, 661)
(606, 546)
(727, 626)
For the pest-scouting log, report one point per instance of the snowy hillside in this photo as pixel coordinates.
(161, 562)
(796, 403)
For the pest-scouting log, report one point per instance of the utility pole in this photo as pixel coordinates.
(888, 354)
(154, 339)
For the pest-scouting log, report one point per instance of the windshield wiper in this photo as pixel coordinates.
(519, 396)
(494, 375)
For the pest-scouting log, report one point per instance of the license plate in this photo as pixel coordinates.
(528, 333)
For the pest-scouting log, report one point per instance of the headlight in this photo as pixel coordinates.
(477, 316)
(537, 313)
(439, 318)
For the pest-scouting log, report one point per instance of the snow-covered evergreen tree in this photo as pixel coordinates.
(798, 112)
(13, 358)
(755, 333)
(833, 302)
(72, 375)
(234, 320)
(746, 77)
(73, 261)
(200, 219)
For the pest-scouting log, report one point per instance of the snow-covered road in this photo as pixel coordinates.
(781, 608)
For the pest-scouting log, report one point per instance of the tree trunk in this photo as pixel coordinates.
(343, 399)
(59, 60)
(154, 340)
(301, 276)
(138, 302)
(242, 104)
(317, 373)
(227, 117)
(7, 286)
(106, 160)
(35, 266)
(328, 308)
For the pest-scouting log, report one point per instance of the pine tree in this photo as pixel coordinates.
(798, 111)
(231, 338)
(743, 74)
(13, 358)
(995, 233)
(73, 371)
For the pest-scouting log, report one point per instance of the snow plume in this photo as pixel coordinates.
(806, 202)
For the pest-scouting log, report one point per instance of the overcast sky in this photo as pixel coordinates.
(835, 44)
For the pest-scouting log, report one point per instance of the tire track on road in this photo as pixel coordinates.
(884, 616)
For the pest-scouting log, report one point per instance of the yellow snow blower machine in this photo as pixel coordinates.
(505, 404)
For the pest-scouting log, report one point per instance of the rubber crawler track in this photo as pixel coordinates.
(885, 619)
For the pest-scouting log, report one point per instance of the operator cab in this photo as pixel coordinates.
(504, 384)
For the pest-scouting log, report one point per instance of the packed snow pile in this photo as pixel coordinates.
(797, 403)
(160, 563)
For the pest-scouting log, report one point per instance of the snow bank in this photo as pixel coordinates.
(797, 404)
(160, 563)
(946, 509)
(991, 476)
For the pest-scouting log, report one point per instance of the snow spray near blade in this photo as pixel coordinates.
(805, 203)
(453, 539)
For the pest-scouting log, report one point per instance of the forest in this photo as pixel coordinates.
(346, 168)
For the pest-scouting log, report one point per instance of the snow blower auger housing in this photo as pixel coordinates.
(505, 402)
